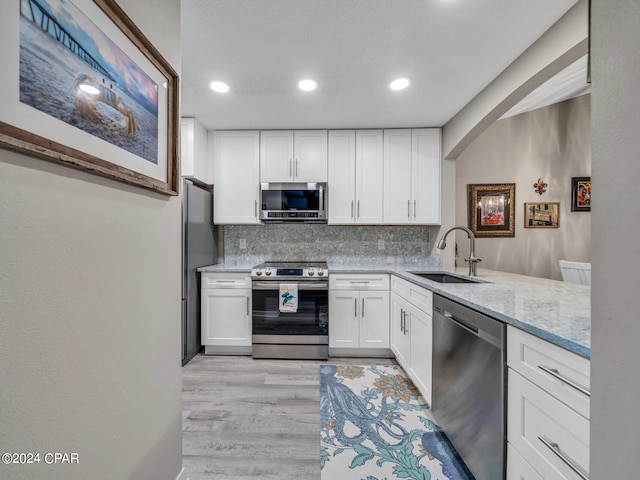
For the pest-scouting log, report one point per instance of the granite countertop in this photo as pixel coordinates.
(558, 312)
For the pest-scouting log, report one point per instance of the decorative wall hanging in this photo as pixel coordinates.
(491, 212)
(101, 98)
(540, 187)
(580, 194)
(542, 215)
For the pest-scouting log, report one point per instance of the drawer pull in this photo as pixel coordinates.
(555, 448)
(554, 373)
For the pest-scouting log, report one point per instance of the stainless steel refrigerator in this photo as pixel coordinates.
(198, 250)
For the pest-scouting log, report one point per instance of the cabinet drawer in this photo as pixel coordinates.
(518, 468)
(225, 280)
(534, 417)
(358, 281)
(400, 286)
(533, 358)
(420, 297)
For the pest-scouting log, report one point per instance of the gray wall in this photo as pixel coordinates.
(616, 250)
(90, 312)
(553, 143)
(339, 245)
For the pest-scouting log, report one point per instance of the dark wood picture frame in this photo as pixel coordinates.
(542, 215)
(580, 194)
(490, 209)
(132, 40)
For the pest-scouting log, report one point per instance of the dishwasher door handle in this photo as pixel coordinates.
(460, 323)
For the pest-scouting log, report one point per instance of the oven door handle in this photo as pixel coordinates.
(301, 285)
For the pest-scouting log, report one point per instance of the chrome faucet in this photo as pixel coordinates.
(473, 260)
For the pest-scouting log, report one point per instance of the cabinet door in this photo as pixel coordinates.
(343, 318)
(398, 202)
(425, 176)
(341, 190)
(226, 316)
(236, 167)
(369, 176)
(420, 350)
(194, 161)
(374, 319)
(399, 340)
(276, 156)
(518, 468)
(310, 156)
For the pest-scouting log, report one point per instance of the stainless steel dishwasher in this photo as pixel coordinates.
(469, 385)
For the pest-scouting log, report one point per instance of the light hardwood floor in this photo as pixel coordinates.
(245, 418)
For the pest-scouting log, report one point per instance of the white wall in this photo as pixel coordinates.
(615, 325)
(552, 143)
(90, 312)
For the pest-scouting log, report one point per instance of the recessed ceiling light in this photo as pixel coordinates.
(399, 84)
(219, 87)
(307, 85)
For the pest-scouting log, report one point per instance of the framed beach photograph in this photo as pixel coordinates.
(81, 85)
(491, 212)
(542, 215)
(580, 194)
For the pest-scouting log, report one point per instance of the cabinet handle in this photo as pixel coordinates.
(355, 308)
(363, 308)
(295, 173)
(555, 448)
(247, 306)
(414, 209)
(255, 208)
(554, 373)
(408, 208)
(290, 167)
(351, 208)
(358, 208)
(402, 320)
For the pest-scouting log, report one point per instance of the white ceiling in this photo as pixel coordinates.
(450, 49)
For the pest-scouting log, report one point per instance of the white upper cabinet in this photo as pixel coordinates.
(293, 156)
(194, 162)
(355, 177)
(310, 155)
(236, 175)
(412, 176)
(341, 185)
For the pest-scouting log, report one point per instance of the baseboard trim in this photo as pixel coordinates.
(182, 475)
(361, 352)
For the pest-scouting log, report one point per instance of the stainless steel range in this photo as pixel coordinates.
(290, 316)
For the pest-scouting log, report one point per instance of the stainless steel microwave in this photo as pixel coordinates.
(284, 202)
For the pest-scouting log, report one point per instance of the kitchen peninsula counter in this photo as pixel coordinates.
(556, 311)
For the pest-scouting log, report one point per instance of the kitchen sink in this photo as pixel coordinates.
(444, 277)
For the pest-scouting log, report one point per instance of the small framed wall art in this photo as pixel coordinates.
(542, 215)
(491, 212)
(580, 194)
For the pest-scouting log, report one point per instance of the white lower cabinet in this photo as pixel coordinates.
(518, 468)
(412, 332)
(358, 312)
(548, 405)
(226, 313)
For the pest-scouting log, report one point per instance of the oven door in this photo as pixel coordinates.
(308, 325)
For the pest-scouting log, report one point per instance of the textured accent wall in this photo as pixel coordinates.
(339, 245)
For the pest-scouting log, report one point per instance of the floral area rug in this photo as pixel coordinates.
(375, 425)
